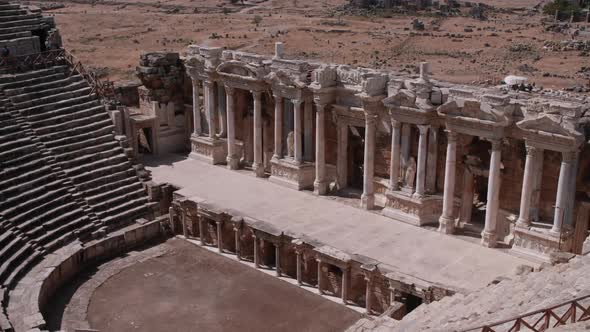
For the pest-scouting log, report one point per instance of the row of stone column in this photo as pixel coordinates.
(427, 157)
(302, 127)
(531, 182)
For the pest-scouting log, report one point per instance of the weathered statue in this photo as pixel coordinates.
(410, 176)
(291, 144)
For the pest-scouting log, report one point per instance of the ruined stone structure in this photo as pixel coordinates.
(66, 181)
(508, 166)
(23, 30)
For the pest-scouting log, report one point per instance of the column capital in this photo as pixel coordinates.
(568, 156)
(229, 90)
(195, 81)
(371, 118)
(320, 107)
(451, 135)
(496, 143)
(278, 98)
(208, 83)
(256, 94)
(532, 150)
(395, 123)
(423, 129)
(297, 102)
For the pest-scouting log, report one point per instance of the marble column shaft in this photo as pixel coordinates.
(258, 165)
(209, 90)
(524, 216)
(297, 130)
(432, 162)
(344, 290)
(221, 111)
(446, 221)
(489, 234)
(308, 131)
(368, 196)
(405, 146)
(368, 294)
(298, 267)
(395, 155)
(219, 237)
(279, 109)
(421, 165)
(561, 203)
(196, 109)
(256, 255)
(320, 283)
(237, 243)
(278, 260)
(320, 185)
(232, 157)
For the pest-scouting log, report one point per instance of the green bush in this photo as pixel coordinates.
(561, 6)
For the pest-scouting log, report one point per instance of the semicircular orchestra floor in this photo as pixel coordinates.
(187, 288)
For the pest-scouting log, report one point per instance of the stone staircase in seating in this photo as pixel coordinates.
(498, 302)
(63, 176)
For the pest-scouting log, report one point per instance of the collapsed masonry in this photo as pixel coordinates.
(423, 152)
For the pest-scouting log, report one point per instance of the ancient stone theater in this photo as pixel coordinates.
(400, 203)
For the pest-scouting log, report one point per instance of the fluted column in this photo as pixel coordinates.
(209, 88)
(320, 185)
(524, 216)
(233, 160)
(298, 263)
(561, 203)
(467, 197)
(405, 146)
(279, 110)
(297, 130)
(431, 164)
(344, 291)
(308, 130)
(222, 111)
(258, 165)
(422, 154)
(489, 234)
(446, 221)
(395, 155)
(196, 109)
(368, 196)
(320, 286)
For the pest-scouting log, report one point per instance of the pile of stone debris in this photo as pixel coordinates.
(567, 45)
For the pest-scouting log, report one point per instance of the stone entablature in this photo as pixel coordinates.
(305, 111)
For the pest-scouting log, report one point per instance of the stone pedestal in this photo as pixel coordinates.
(413, 210)
(539, 244)
(292, 174)
(213, 151)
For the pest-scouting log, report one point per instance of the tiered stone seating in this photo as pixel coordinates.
(77, 132)
(63, 176)
(17, 24)
(38, 209)
(504, 300)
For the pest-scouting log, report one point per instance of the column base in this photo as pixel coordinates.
(233, 162)
(288, 173)
(489, 239)
(418, 211)
(258, 170)
(213, 151)
(540, 244)
(320, 188)
(368, 201)
(446, 225)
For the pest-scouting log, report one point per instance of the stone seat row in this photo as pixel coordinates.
(76, 129)
(506, 299)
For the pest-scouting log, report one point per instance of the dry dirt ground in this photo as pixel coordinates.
(192, 289)
(112, 33)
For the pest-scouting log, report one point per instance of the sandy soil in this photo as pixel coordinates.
(113, 33)
(192, 289)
